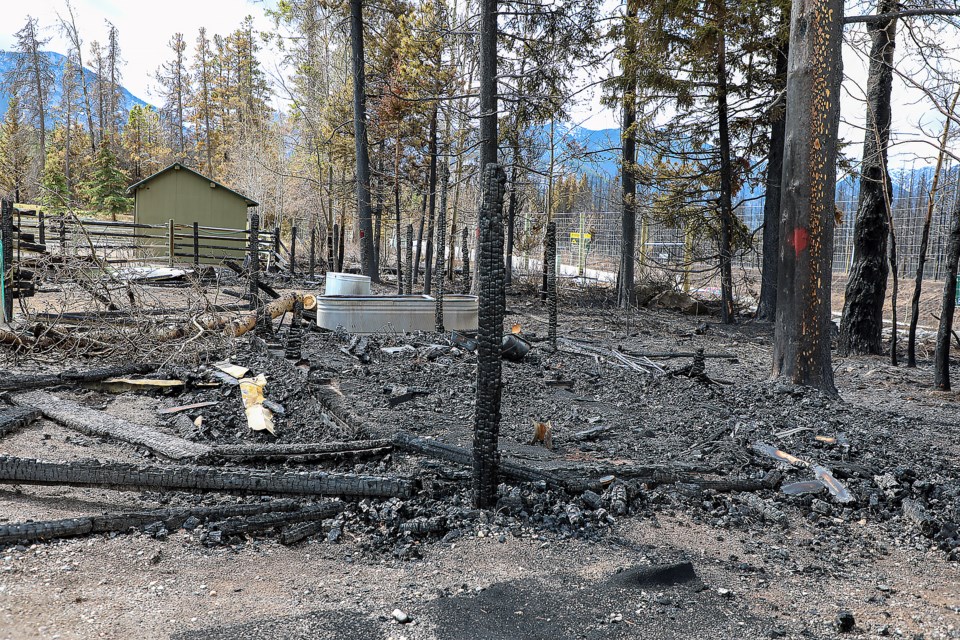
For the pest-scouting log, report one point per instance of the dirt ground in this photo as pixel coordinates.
(761, 564)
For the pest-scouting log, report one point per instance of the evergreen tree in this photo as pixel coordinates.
(106, 188)
(175, 90)
(32, 76)
(54, 192)
(14, 155)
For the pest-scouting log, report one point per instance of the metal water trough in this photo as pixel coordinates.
(403, 314)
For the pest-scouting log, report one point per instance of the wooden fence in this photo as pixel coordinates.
(123, 241)
(32, 230)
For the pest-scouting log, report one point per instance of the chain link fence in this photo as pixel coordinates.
(588, 242)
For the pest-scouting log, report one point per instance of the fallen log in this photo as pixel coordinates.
(312, 513)
(523, 472)
(97, 423)
(12, 418)
(128, 477)
(17, 340)
(119, 522)
(423, 525)
(48, 530)
(237, 326)
(518, 472)
(297, 532)
(30, 382)
(302, 452)
(48, 337)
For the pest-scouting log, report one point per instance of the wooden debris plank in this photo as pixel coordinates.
(97, 423)
(187, 407)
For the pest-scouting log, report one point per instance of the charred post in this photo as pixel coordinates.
(253, 256)
(409, 273)
(551, 243)
(439, 271)
(486, 431)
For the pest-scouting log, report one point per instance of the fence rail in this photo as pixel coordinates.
(120, 240)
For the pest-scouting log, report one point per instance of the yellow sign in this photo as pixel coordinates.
(577, 236)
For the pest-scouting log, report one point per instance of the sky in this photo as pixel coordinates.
(146, 28)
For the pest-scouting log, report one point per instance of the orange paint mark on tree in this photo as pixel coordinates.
(800, 240)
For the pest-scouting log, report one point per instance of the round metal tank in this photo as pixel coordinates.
(346, 284)
(403, 314)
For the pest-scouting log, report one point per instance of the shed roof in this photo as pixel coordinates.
(182, 167)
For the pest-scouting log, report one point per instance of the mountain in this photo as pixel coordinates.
(599, 151)
(8, 62)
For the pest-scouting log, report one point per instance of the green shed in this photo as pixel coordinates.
(181, 194)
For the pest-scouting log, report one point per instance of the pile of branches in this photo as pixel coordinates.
(87, 308)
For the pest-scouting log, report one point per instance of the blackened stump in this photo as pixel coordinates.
(551, 263)
(491, 303)
(253, 257)
(465, 252)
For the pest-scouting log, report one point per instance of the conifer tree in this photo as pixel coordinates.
(106, 188)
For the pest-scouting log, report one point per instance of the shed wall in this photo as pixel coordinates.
(187, 198)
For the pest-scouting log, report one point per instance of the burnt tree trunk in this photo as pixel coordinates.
(364, 214)
(862, 322)
(486, 422)
(551, 244)
(802, 343)
(727, 311)
(419, 247)
(941, 356)
(894, 290)
(767, 308)
(432, 206)
(331, 241)
(628, 181)
(486, 427)
(409, 287)
(396, 205)
(441, 240)
(465, 259)
(925, 239)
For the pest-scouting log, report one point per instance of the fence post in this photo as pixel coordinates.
(6, 263)
(170, 242)
(42, 226)
(313, 249)
(293, 251)
(196, 243)
(254, 251)
(63, 235)
(330, 254)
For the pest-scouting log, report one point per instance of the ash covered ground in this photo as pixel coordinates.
(684, 530)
